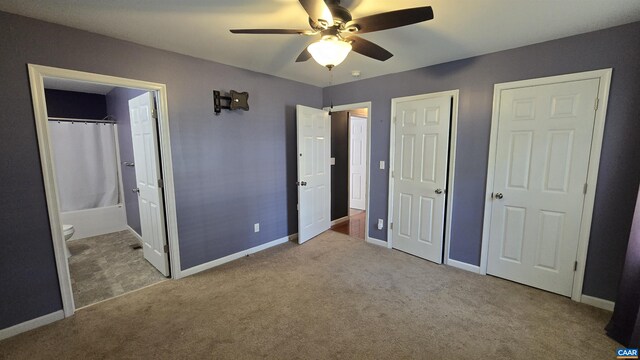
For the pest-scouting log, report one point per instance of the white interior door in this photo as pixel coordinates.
(148, 177)
(357, 162)
(421, 152)
(314, 175)
(542, 158)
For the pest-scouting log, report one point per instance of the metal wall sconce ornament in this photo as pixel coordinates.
(237, 100)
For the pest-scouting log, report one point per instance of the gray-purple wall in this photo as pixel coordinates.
(118, 107)
(230, 171)
(617, 48)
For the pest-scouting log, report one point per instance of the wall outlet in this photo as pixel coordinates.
(380, 224)
(256, 227)
(381, 164)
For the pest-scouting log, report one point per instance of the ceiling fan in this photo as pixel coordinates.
(338, 31)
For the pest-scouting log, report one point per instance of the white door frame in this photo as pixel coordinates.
(455, 95)
(604, 76)
(362, 105)
(37, 73)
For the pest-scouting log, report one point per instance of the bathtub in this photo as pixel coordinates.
(98, 221)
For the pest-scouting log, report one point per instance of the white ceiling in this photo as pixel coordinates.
(460, 29)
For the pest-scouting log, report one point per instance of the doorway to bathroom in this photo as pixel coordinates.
(104, 151)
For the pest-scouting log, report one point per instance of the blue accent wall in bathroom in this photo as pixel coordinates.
(73, 104)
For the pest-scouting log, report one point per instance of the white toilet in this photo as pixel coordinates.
(68, 231)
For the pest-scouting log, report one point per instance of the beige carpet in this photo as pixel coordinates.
(333, 297)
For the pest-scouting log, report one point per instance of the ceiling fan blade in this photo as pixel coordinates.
(274, 31)
(392, 19)
(318, 10)
(367, 48)
(304, 56)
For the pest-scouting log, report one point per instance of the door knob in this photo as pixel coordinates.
(499, 196)
(136, 190)
(438, 191)
(304, 183)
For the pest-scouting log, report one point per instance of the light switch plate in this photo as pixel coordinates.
(332, 161)
(381, 164)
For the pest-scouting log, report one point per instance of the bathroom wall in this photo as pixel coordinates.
(118, 106)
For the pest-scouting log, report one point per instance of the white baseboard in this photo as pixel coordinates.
(463, 266)
(597, 302)
(31, 324)
(373, 241)
(135, 233)
(339, 221)
(211, 264)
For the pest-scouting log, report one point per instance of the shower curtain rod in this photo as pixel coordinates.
(107, 120)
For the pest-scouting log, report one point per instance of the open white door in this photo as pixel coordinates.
(421, 153)
(357, 162)
(314, 176)
(148, 177)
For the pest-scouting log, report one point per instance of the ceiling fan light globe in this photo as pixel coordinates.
(329, 52)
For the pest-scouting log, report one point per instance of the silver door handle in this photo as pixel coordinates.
(136, 190)
(304, 183)
(499, 196)
(439, 191)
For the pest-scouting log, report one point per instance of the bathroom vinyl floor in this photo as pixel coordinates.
(108, 265)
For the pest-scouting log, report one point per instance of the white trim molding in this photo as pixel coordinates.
(604, 76)
(211, 264)
(376, 242)
(455, 96)
(135, 233)
(340, 221)
(31, 324)
(37, 74)
(464, 266)
(597, 302)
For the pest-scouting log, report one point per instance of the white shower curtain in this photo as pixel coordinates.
(85, 164)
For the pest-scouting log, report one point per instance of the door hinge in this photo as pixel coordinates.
(298, 207)
(390, 226)
(154, 113)
(595, 106)
(166, 249)
(575, 266)
(393, 173)
(584, 189)
(160, 183)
